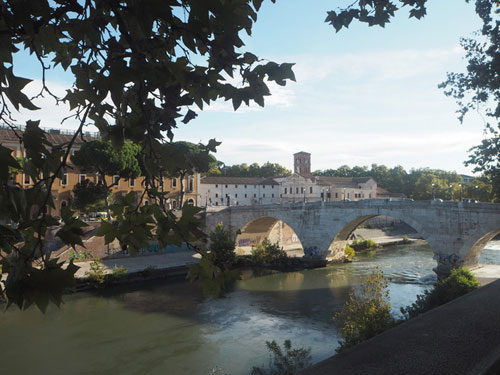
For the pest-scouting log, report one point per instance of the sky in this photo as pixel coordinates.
(364, 95)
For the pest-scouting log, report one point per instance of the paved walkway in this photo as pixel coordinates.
(139, 263)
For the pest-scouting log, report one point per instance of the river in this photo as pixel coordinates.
(170, 328)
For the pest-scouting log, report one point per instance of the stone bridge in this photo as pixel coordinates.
(456, 231)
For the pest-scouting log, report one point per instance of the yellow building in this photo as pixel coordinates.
(62, 188)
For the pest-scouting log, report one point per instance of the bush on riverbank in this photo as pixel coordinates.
(96, 273)
(216, 268)
(268, 253)
(362, 244)
(222, 246)
(286, 361)
(349, 252)
(366, 313)
(461, 281)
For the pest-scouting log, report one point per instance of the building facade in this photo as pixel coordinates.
(238, 191)
(63, 187)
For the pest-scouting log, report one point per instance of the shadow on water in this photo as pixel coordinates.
(178, 297)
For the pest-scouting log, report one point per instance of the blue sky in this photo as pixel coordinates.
(362, 96)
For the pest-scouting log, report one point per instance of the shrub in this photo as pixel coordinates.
(119, 272)
(366, 313)
(215, 270)
(363, 244)
(80, 255)
(96, 272)
(461, 281)
(267, 252)
(222, 247)
(406, 239)
(349, 252)
(284, 363)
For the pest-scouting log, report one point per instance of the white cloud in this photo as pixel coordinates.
(374, 66)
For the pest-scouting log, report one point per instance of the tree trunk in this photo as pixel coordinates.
(182, 189)
(106, 202)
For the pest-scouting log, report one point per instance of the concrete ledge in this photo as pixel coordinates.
(461, 337)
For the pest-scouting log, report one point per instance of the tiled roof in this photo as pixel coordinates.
(381, 192)
(8, 135)
(351, 182)
(238, 180)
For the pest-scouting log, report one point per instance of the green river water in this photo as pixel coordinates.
(170, 328)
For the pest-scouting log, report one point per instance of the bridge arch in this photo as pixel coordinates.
(477, 246)
(351, 221)
(266, 227)
(342, 232)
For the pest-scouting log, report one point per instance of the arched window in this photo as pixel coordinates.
(63, 204)
(174, 204)
(191, 201)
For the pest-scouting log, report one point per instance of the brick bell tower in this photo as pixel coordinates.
(302, 163)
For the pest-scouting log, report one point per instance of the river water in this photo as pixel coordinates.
(170, 328)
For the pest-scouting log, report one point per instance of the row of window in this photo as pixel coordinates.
(116, 181)
(246, 196)
(302, 190)
(245, 186)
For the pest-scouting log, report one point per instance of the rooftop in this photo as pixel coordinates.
(54, 136)
(348, 182)
(238, 180)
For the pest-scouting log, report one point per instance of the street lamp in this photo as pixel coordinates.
(344, 194)
(460, 192)
(451, 192)
(476, 195)
(433, 197)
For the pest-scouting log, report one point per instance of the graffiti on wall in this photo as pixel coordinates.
(452, 260)
(153, 249)
(244, 242)
(315, 253)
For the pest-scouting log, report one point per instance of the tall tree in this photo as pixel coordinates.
(100, 157)
(189, 159)
(479, 89)
(89, 196)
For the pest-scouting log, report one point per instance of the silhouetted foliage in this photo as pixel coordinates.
(286, 361)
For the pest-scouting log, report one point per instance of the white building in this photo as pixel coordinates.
(238, 191)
